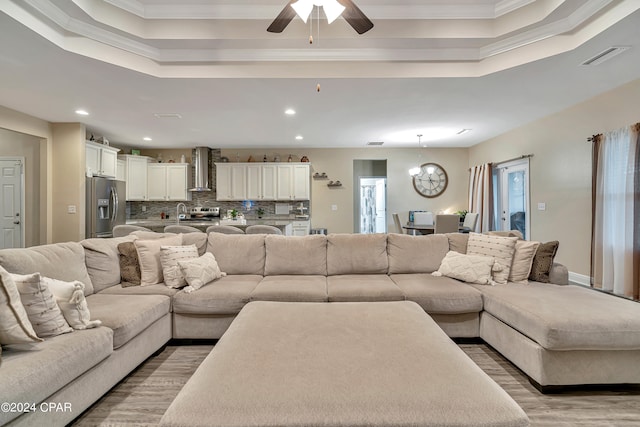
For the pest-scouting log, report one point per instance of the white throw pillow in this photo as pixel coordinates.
(169, 257)
(15, 327)
(200, 271)
(523, 256)
(72, 303)
(500, 248)
(149, 257)
(468, 268)
(41, 307)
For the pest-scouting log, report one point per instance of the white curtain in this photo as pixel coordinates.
(481, 195)
(613, 211)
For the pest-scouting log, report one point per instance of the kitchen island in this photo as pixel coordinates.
(158, 225)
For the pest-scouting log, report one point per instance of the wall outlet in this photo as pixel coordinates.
(542, 206)
(71, 209)
(144, 208)
(334, 207)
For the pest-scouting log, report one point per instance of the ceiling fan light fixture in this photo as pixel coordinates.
(332, 9)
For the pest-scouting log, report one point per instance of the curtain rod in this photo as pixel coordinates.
(594, 137)
(524, 156)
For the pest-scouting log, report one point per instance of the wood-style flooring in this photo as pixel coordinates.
(142, 398)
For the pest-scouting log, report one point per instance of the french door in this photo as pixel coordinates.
(511, 196)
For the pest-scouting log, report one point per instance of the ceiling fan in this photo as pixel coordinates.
(349, 11)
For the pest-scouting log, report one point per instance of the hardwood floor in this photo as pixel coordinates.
(142, 398)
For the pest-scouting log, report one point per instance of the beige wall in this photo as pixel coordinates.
(14, 144)
(41, 219)
(69, 181)
(561, 167)
(401, 197)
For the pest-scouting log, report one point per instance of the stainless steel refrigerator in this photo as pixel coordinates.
(106, 206)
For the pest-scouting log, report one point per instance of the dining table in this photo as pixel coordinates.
(415, 229)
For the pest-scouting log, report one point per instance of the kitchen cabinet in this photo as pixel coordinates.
(121, 170)
(231, 181)
(101, 160)
(293, 182)
(260, 181)
(300, 228)
(135, 174)
(168, 181)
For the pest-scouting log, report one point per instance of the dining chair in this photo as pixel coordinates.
(396, 221)
(125, 230)
(447, 223)
(181, 229)
(263, 229)
(224, 229)
(470, 221)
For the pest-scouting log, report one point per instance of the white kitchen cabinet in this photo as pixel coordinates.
(300, 228)
(101, 160)
(121, 170)
(168, 181)
(260, 181)
(135, 174)
(293, 182)
(231, 181)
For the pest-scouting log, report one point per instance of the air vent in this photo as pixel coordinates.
(605, 55)
(167, 115)
(375, 143)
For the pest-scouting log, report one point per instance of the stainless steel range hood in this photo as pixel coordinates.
(201, 163)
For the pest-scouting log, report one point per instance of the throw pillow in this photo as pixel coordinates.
(200, 271)
(149, 257)
(41, 307)
(169, 257)
(543, 261)
(72, 303)
(15, 327)
(129, 264)
(522, 260)
(468, 268)
(500, 248)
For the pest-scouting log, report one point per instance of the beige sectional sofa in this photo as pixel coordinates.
(549, 331)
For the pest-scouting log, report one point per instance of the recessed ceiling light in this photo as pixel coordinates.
(290, 112)
(82, 113)
(146, 138)
(299, 138)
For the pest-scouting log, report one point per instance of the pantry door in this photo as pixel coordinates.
(12, 206)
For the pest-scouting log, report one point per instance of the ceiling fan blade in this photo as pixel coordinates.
(282, 20)
(354, 16)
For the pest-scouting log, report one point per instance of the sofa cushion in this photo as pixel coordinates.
(103, 261)
(157, 289)
(357, 254)
(200, 271)
(224, 296)
(62, 261)
(543, 262)
(169, 257)
(362, 288)
(41, 306)
(296, 255)
(416, 254)
(127, 315)
(458, 242)
(468, 268)
(72, 302)
(439, 295)
(34, 372)
(311, 288)
(238, 253)
(15, 326)
(523, 256)
(198, 239)
(149, 258)
(129, 264)
(566, 317)
(500, 248)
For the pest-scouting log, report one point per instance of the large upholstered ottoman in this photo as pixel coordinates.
(341, 364)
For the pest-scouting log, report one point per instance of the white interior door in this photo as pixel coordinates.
(381, 205)
(373, 205)
(11, 210)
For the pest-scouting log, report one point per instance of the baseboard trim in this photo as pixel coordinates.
(579, 279)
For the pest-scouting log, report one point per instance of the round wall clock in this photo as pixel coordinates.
(431, 181)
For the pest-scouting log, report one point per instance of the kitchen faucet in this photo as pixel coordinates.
(184, 208)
